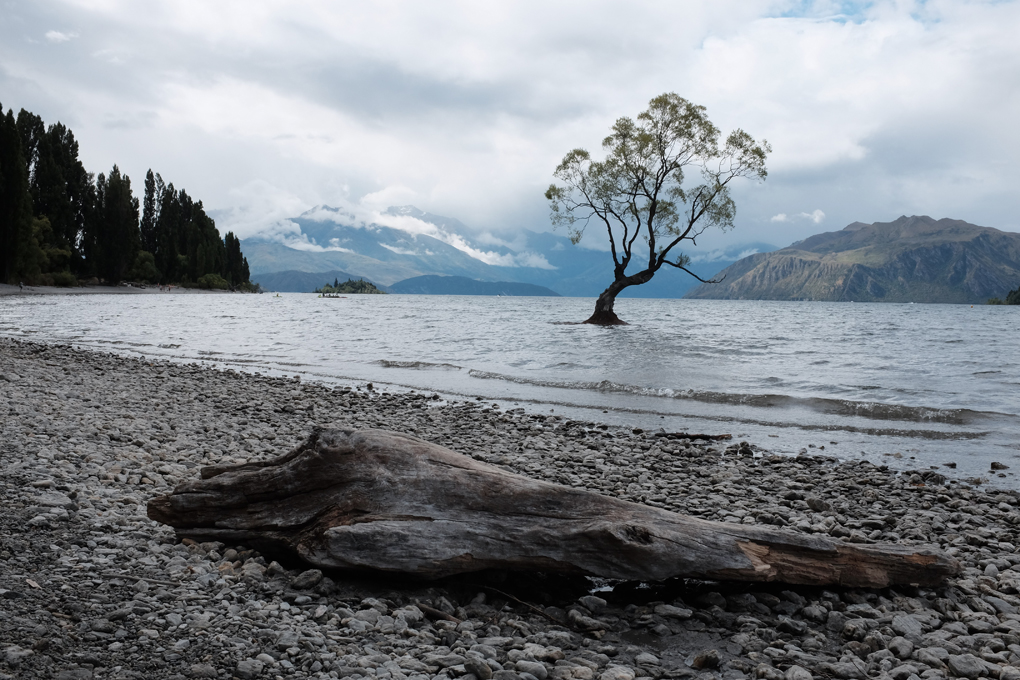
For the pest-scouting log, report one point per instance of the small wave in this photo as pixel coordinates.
(841, 407)
(126, 343)
(169, 346)
(418, 365)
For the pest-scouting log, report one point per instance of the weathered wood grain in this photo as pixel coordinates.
(379, 500)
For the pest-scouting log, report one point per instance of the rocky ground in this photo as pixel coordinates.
(91, 588)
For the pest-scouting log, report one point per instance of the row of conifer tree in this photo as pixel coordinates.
(60, 224)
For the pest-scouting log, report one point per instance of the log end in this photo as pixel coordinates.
(849, 565)
(158, 509)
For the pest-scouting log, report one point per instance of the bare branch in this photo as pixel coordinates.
(677, 266)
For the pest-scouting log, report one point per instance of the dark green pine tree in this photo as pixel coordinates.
(150, 210)
(210, 254)
(167, 227)
(115, 235)
(19, 252)
(236, 269)
(31, 129)
(61, 190)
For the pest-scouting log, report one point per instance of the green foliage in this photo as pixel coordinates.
(213, 281)
(147, 228)
(19, 252)
(235, 264)
(112, 237)
(350, 287)
(55, 217)
(1012, 298)
(61, 189)
(64, 279)
(665, 178)
(188, 245)
(50, 257)
(144, 268)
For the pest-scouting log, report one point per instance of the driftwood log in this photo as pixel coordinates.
(378, 500)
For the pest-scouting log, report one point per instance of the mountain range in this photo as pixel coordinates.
(912, 259)
(326, 243)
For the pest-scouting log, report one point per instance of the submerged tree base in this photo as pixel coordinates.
(605, 318)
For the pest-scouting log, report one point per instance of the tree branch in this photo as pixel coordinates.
(677, 266)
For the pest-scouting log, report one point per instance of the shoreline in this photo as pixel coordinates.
(8, 290)
(90, 437)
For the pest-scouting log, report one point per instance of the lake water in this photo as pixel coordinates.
(911, 386)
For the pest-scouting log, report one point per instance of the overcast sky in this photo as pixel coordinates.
(265, 109)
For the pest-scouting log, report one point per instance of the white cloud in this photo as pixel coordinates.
(398, 251)
(719, 255)
(301, 243)
(60, 37)
(288, 233)
(874, 110)
(325, 213)
(815, 216)
(413, 225)
(259, 208)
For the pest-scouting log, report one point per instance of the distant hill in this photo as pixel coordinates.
(300, 282)
(460, 285)
(913, 259)
(332, 240)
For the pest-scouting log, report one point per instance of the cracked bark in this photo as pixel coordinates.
(383, 501)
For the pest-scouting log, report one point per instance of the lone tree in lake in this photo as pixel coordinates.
(643, 189)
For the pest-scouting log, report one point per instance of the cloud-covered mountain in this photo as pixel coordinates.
(413, 243)
(912, 259)
(459, 285)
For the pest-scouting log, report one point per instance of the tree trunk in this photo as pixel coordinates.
(389, 502)
(604, 314)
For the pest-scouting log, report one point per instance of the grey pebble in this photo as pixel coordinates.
(77, 487)
(307, 579)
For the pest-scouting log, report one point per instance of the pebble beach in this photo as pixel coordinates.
(92, 588)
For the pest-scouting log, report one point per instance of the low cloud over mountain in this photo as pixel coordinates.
(404, 242)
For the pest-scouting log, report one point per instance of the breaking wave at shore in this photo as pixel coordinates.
(872, 410)
(933, 382)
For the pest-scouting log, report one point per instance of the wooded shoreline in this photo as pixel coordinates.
(7, 290)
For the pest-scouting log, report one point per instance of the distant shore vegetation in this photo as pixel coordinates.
(63, 226)
(350, 287)
(1012, 298)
